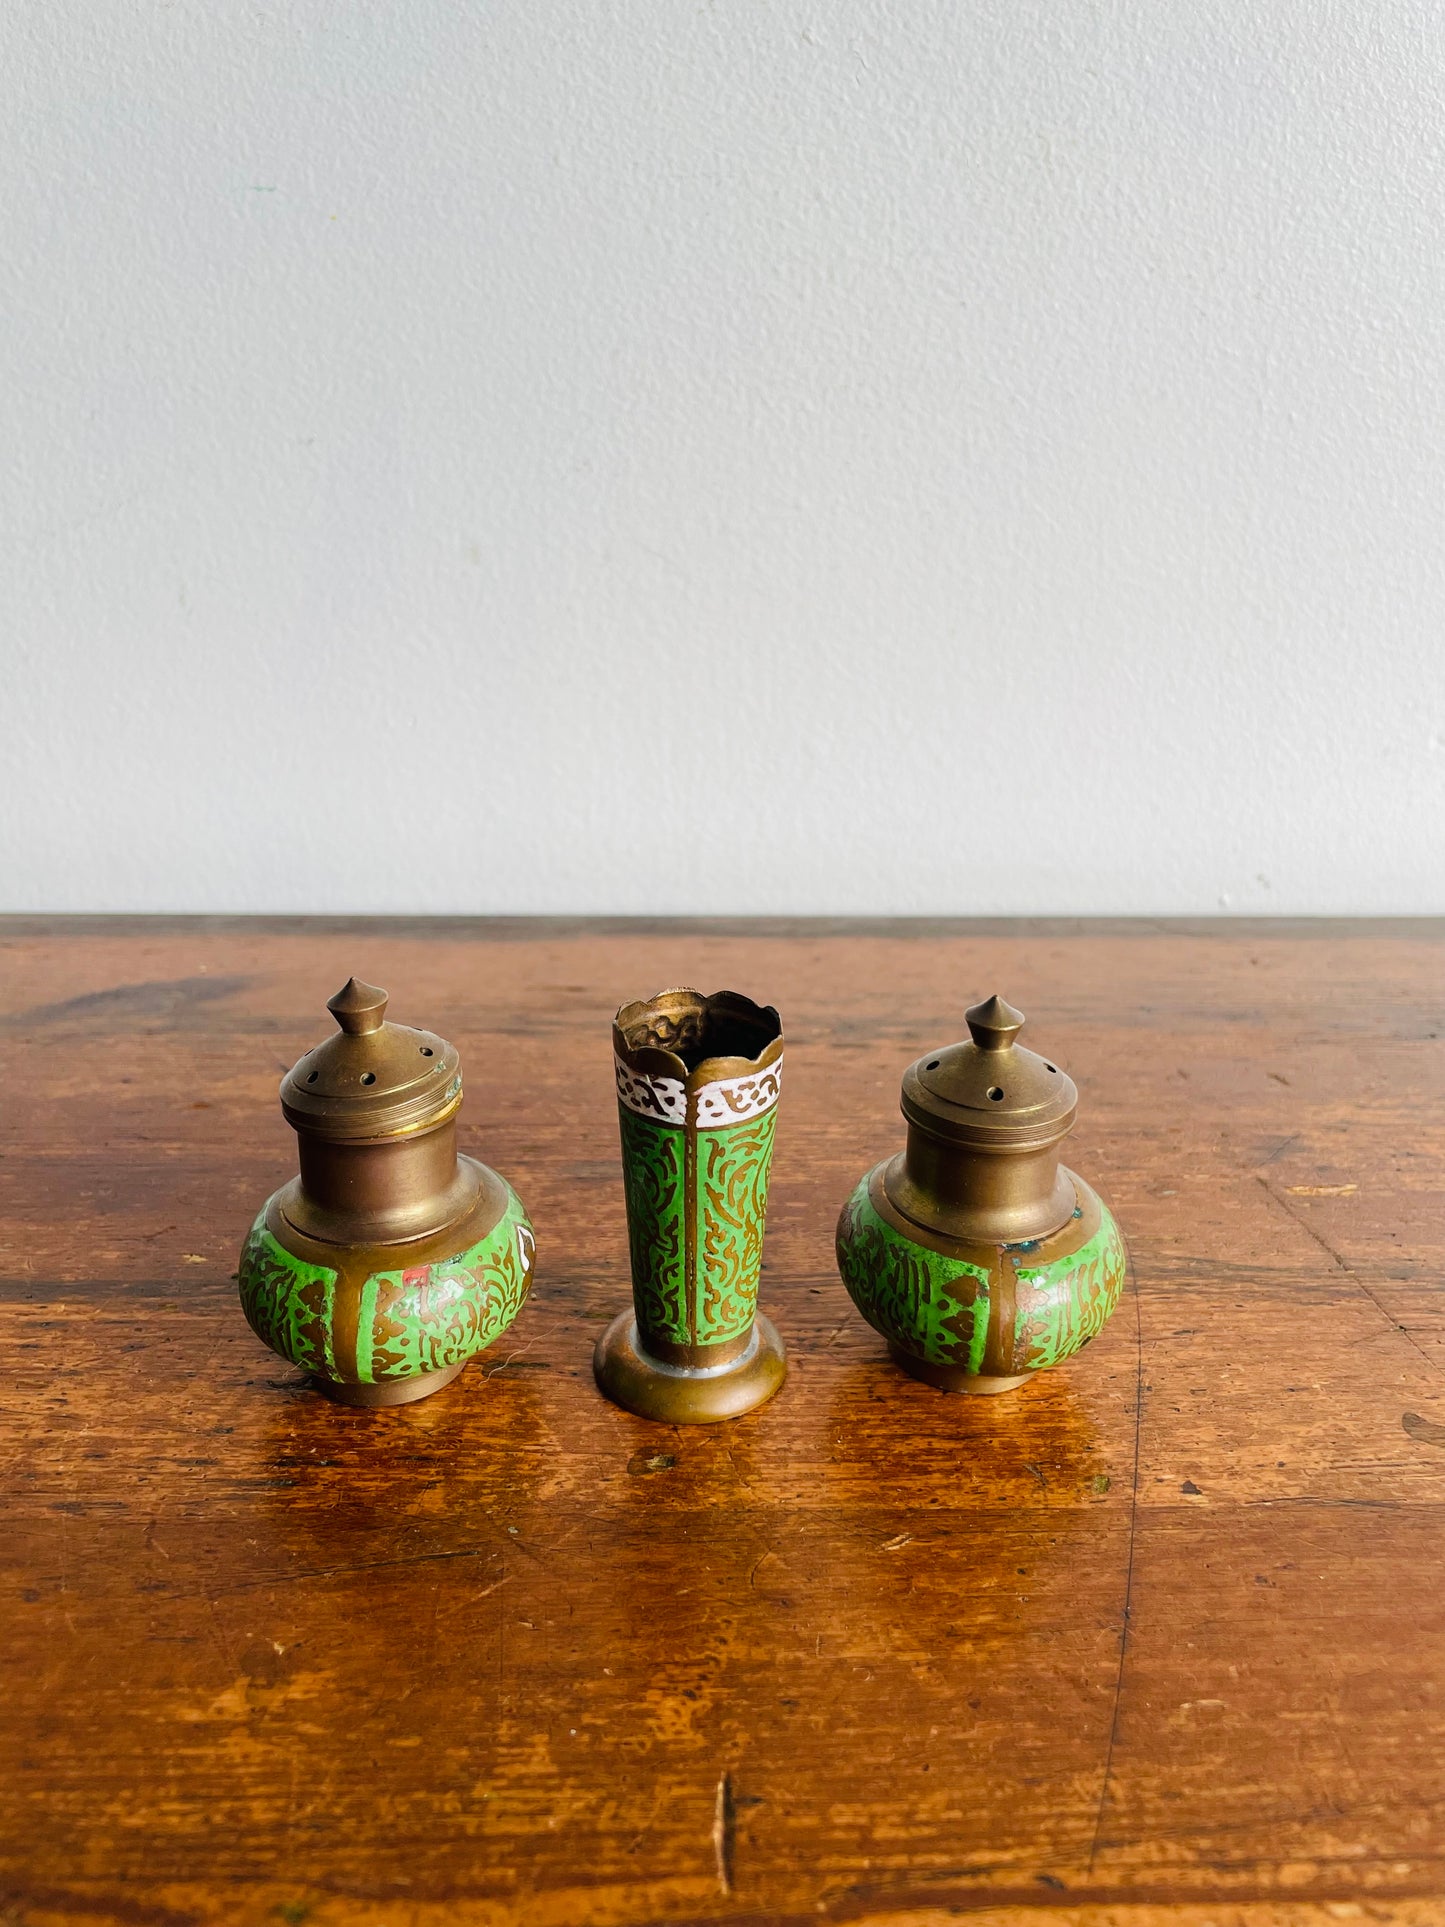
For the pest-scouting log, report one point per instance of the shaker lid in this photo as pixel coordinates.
(990, 1093)
(372, 1079)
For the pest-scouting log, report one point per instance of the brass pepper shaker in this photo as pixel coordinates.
(977, 1255)
(391, 1260)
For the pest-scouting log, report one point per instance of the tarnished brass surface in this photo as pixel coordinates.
(372, 1079)
(687, 1395)
(486, 1200)
(383, 1190)
(985, 1120)
(374, 1109)
(681, 1033)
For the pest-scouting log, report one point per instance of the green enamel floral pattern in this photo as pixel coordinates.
(726, 1173)
(732, 1192)
(1062, 1305)
(934, 1306)
(652, 1184)
(420, 1319)
(427, 1317)
(937, 1307)
(288, 1303)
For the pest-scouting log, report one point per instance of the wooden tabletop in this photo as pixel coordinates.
(1158, 1637)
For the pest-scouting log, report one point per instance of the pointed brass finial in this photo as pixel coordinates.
(358, 1007)
(995, 1024)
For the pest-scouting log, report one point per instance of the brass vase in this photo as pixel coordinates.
(698, 1080)
(391, 1260)
(978, 1256)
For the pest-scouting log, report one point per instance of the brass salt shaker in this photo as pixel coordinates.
(977, 1255)
(391, 1259)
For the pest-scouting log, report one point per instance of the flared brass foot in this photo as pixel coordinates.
(683, 1395)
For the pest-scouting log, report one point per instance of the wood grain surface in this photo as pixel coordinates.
(1159, 1637)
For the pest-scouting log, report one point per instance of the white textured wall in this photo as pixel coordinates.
(723, 455)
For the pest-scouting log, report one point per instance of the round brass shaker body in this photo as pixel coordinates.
(977, 1255)
(390, 1260)
(698, 1080)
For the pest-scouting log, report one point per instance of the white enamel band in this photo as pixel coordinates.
(729, 1101)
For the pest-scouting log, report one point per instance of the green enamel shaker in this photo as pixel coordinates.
(974, 1252)
(391, 1260)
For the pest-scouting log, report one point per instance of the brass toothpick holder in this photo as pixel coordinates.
(698, 1081)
